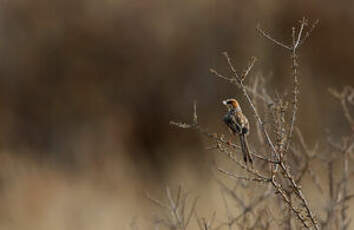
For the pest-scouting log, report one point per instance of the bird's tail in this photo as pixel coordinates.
(245, 149)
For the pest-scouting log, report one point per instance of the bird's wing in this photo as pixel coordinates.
(232, 122)
(243, 123)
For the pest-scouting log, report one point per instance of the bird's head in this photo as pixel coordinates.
(232, 104)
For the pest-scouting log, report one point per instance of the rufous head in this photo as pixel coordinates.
(232, 104)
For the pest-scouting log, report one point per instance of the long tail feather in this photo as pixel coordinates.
(245, 149)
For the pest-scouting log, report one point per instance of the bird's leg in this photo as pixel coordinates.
(229, 142)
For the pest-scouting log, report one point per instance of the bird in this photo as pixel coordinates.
(238, 124)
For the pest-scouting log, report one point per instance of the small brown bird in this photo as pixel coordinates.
(238, 124)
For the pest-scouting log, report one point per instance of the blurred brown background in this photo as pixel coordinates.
(87, 89)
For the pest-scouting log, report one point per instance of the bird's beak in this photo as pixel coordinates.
(224, 102)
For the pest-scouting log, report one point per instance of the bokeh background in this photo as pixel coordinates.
(88, 87)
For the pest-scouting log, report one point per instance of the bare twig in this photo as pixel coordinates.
(177, 217)
(343, 97)
(267, 36)
(220, 139)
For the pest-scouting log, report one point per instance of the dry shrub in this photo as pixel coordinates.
(283, 160)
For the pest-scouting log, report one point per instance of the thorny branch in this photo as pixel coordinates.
(289, 163)
(258, 177)
(246, 208)
(239, 79)
(297, 40)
